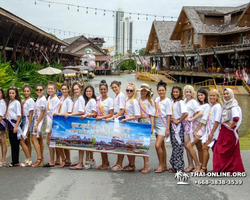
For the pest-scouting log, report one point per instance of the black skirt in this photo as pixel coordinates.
(2, 128)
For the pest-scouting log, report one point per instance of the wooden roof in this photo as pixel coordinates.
(80, 42)
(244, 20)
(8, 20)
(160, 33)
(191, 14)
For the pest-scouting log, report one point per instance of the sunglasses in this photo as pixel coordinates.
(130, 91)
(39, 90)
(12, 87)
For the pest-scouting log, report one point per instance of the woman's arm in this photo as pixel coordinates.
(131, 118)
(197, 115)
(17, 124)
(177, 121)
(111, 112)
(120, 113)
(167, 133)
(30, 119)
(93, 114)
(211, 134)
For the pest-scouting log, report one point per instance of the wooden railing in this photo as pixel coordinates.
(168, 76)
(234, 82)
(210, 83)
(247, 88)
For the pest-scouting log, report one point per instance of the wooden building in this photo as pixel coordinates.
(204, 39)
(21, 40)
(77, 46)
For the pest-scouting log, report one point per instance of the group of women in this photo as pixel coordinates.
(182, 120)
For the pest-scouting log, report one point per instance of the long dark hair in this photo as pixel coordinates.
(84, 94)
(3, 95)
(118, 83)
(17, 97)
(203, 91)
(180, 97)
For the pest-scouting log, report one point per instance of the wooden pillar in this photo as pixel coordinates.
(56, 52)
(27, 46)
(7, 41)
(38, 50)
(13, 56)
(168, 63)
(33, 48)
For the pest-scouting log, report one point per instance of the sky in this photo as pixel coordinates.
(60, 17)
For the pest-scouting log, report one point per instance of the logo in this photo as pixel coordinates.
(182, 178)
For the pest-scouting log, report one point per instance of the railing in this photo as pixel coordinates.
(247, 88)
(210, 83)
(169, 77)
(234, 81)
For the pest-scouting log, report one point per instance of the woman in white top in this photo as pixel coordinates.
(64, 107)
(226, 154)
(13, 115)
(179, 113)
(162, 125)
(52, 103)
(213, 126)
(39, 115)
(132, 114)
(104, 109)
(199, 127)
(28, 107)
(147, 107)
(3, 127)
(119, 105)
(77, 110)
(90, 111)
(194, 112)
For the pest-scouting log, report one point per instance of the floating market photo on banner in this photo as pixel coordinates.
(127, 138)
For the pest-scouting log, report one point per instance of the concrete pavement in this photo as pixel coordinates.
(43, 183)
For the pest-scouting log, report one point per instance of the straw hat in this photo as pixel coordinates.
(146, 87)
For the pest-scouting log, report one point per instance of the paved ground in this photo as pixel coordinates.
(40, 183)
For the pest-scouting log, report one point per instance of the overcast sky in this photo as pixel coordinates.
(59, 17)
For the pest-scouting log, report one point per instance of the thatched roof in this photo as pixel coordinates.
(193, 14)
(163, 30)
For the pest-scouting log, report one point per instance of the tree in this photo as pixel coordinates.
(142, 51)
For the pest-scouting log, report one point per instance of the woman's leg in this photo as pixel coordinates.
(25, 148)
(67, 155)
(159, 150)
(57, 158)
(190, 148)
(131, 160)
(164, 155)
(41, 144)
(205, 150)
(60, 153)
(80, 161)
(200, 152)
(190, 159)
(28, 143)
(37, 147)
(3, 147)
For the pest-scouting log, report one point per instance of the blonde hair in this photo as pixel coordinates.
(218, 95)
(191, 88)
(135, 93)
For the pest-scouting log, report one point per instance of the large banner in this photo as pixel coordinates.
(113, 137)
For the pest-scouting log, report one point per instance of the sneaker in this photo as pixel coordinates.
(92, 163)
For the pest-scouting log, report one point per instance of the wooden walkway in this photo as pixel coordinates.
(236, 89)
(153, 77)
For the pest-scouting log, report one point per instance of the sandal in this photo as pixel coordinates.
(92, 163)
(12, 165)
(57, 163)
(188, 169)
(87, 164)
(172, 170)
(139, 170)
(146, 170)
(26, 163)
(99, 167)
(2, 164)
(48, 165)
(203, 170)
(38, 163)
(67, 164)
(77, 167)
(198, 168)
(129, 169)
(63, 164)
(116, 168)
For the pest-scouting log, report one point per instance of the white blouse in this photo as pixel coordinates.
(147, 107)
(192, 107)
(178, 109)
(215, 114)
(66, 106)
(132, 109)
(119, 102)
(91, 106)
(40, 105)
(14, 110)
(105, 106)
(78, 105)
(3, 108)
(163, 106)
(28, 106)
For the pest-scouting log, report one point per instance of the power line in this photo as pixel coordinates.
(78, 8)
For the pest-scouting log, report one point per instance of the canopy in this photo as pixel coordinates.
(49, 71)
(69, 71)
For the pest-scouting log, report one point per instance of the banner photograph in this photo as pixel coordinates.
(96, 135)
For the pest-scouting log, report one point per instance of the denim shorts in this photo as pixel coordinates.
(23, 123)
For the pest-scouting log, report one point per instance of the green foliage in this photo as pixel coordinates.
(128, 65)
(142, 51)
(23, 72)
